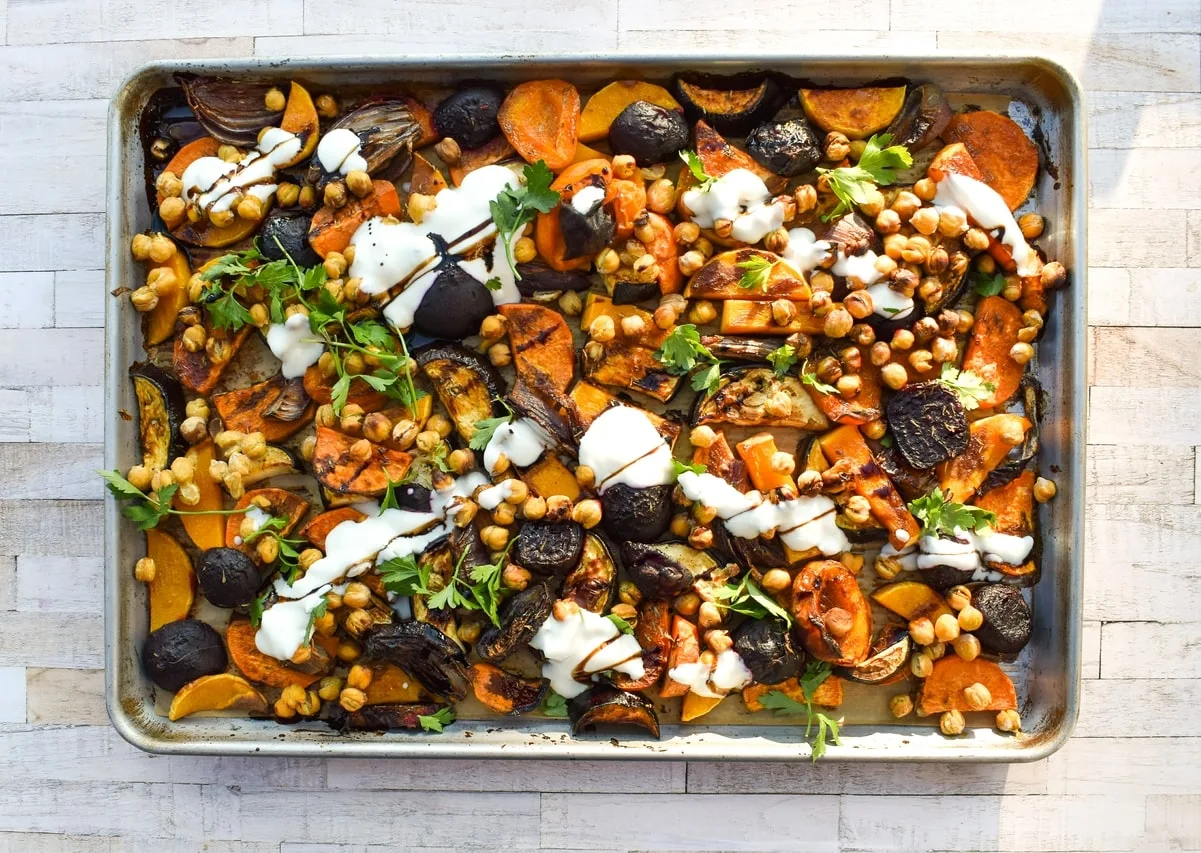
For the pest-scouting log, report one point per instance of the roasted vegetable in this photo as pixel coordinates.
(203, 232)
(274, 462)
(732, 103)
(605, 705)
(1013, 505)
(468, 116)
(232, 111)
(280, 504)
(591, 402)
(549, 476)
(742, 397)
(943, 689)
(787, 148)
(504, 692)
(391, 685)
(196, 371)
(1007, 623)
(756, 317)
(520, 618)
(380, 718)
(757, 453)
(653, 633)
(858, 113)
(228, 577)
(585, 232)
(593, 582)
(206, 531)
(285, 234)
(994, 334)
(465, 383)
(765, 646)
(638, 515)
(541, 118)
(539, 278)
(869, 481)
(490, 153)
(927, 423)
(159, 324)
(1006, 157)
(685, 648)
(922, 118)
(425, 177)
(720, 158)
(649, 133)
(320, 526)
(160, 412)
(667, 570)
(626, 364)
(424, 652)
(278, 408)
(721, 277)
(174, 586)
(912, 600)
(182, 651)
(549, 548)
(828, 694)
(387, 131)
(454, 306)
(609, 102)
(990, 441)
(339, 467)
(888, 658)
(862, 408)
(833, 619)
(222, 692)
(264, 669)
(331, 228)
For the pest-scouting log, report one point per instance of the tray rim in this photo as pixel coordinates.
(894, 747)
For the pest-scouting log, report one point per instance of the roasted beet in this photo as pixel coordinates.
(585, 232)
(380, 718)
(425, 653)
(785, 147)
(649, 133)
(765, 646)
(640, 515)
(539, 278)
(469, 115)
(665, 571)
(454, 306)
(285, 234)
(605, 705)
(228, 577)
(549, 548)
(520, 618)
(183, 651)
(1007, 623)
(928, 424)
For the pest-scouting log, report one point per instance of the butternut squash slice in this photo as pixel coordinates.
(549, 476)
(757, 452)
(819, 592)
(548, 235)
(696, 705)
(391, 685)
(504, 692)
(160, 322)
(592, 401)
(1013, 504)
(282, 503)
(195, 370)
(541, 119)
(870, 481)
(336, 466)
(541, 343)
(990, 441)
(994, 333)
(686, 648)
(496, 150)
(204, 233)
(258, 407)
(332, 228)
(320, 526)
(205, 531)
(426, 178)
(222, 692)
(174, 586)
(721, 275)
(912, 600)
(300, 118)
(856, 112)
(754, 317)
(608, 103)
(943, 689)
(864, 406)
(1006, 157)
(827, 695)
(720, 157)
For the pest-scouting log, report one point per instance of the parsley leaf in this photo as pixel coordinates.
(340, 392)
(224, 309)
(554, 705)
(941, 516)
(877, 166)
(121, 488)
(756, 272)
(682, 351)
(707, 380)
(747, 598)
(813, 677)
(704, 180)
(256, 607)
(372, 333)
(405, 576)
(678, 468)
(493, 283)
(809, 377)
(782, 358)
(436, 722)
(485, 429)
(147, 510)
(622, 625)
(516, 206)
(967, 386)
(784, 705)
(987, 285)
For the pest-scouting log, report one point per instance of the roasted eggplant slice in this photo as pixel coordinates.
(922, 118)
(232, 111)
(592, 583)
(466, 384)
(605, 705)
(549, 548)
(743, 398)
(504, 692)
(887, 661)
(381, 718)
(910, 482)
(1007, 622)
(386, 130)
(468, 116)
(649, 133)
(928, 424)
(626, 364)
(833, 619)
(520, 618)
(787, 148)
(161, 409)
(732, 103)
(749, 553)
(640, 515)
(425, 653)
(667, 570)
(765, 646)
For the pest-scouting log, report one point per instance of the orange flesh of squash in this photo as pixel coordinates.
(609, 102)
(1013, 504)
(827, 695)
(988, 444)
(860, 409)
(336, 468)
(754, 317)
(245, 410)
(541, 118)
(174, 586)
(323, 524)
(1006, 157)
(205, 531)
(160, 323)
(283, 503)
(757, 452)
(548, 236)
(870, 481)
(222, 692)
(720, 158)
(943, 689)
(204, 233)
(391, 685)
(300, 118)
(541, 343)
(912, 600)
(858, 113)
(332, 228)
(994, 333)
(490, 153)
(256, 666)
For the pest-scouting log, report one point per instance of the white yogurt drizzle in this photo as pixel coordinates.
(587, 198)
(801, 523)
(521, 441)
(970, 551)
(295, 345)
(257, 517)
(804, 251)
(985, 205)
(889, 303)
(494, 496)
(623, 446)
(587, 643)
(285, 625)
(214, 184)
(388, 252)
(727, 674)
(338, 152)
(741, 197)
(861, 266)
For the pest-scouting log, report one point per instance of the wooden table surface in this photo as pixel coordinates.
(1130, 779)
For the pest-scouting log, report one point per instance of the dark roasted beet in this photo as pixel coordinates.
(180, 652)
(469, 116)
(549, 548)
(945, 577)
(228, 577)
(928, 424)
(785, 147)
(640, 515)
(425, 653)
(291, 229)
(1007, 623)
(379, 718)
(655, 574)
(454, 306)
(910, 482)
(765, 646)
(520, 618)
(585, 233)
(649, 133)
(633, 292)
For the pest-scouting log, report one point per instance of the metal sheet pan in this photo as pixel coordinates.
(1050, 665)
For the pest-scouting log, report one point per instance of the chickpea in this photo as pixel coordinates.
(702, 436)
(144, 299)
(162, 249)
(837, 324)
(859, 304)
(681, 526)
(602, 330)
(966, 646)
(632, 325)
(335, 195)
(708, 615)
(465, 513)
(267, 548)
(888, 222)
(837, 147)
(628, 593)
(515, 577)
(946, 628)
(921, 665)
(959, 597)
(1054, 275)
(895, 376)
(1009, 721)
(688, 604)
(686, 233)
(494, 537)
(944, 350)
(587, 513)
(661, 196)
(921, 360)
(1044, 490)
(144, 570)
(500, 354)
(534, 508)
(352, 699)
(901, 705)
(925, 221)
(783, 312)
(524, 250)
(690, 262)
(805, 197)
(970, 619)
(349, 650)
(925, 189)
(977, 696)
(357, 595)
(1021, 352)
(976, 239)
(776, 580)
(952, 723)
(1031, 225)
(701, 537)
(607, 261)
(922, 631)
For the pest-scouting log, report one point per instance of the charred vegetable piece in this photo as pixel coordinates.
(285, 234)
(454, 306)
(722, 275)
(990, 441)
(787, 148)
(182, 651)
(380, 718)
(608, 103)
(205, 531)
(912, 600)
(504, 692)
(278, 408)
(1007, 623)
(626, 364)
(665, 571)
(387, 131)
(653, 633)
(592, 583)
(765, 646)
(922, 118)
(856, 112)
(585, 232)
(468, 116)
(889, 655)
(196, 371)
(233, 111)
(174, 586)
(742, 397)
(649, 133)
(549, 476)
(228, 577)
(732, 103)
(833, 619)
(1000, 148)
(1013, 504)
(424, 652)
(994, 333)
(520, 618)
(541, 119)
(720, 158)
(280, 503)
(539, 278)
(425, 178)
(827, 695)
(870, 481)
(332, 228)
(464, 382)
(549, 548)
(320, 526)
(852, 234)
(161, 409)
(639, 515)
(337, 466)
(910, 482)
(756, 317)
(928, 424)
(275, 462)
(605, 705)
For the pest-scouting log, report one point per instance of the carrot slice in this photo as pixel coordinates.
(1006, 156)
(871, 482)
(994, 333)
(667, 256)
(686, 648)
(541, 120)
(757, 452)
(332, 228)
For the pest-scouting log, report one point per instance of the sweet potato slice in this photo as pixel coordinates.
(994, 333)
(332, 228)
(1005, 155)
(541, 344)
(608, 103)
(195, 370)
(912, 600)
(264, 669)
(827, 695)
(991, 440)
(426, 178)
(320, 526)
(504, 692)
(686, 648)
(754, 317)
(256, 408)
(871, 482)
(283, 504)
(943, 689)
(222, 692)
(860, 409)
(720, 276)
(757, 452)
(300, 118)
(494, 151)
(592, 401)
(856, 112)
(339, 470)
(320, 390)
(720, 157)
(667, 257)
(160, 323)
(174, 586)
(204, 233)
(1013, 504)
(205, 531)
(541, 119)
(627, 365)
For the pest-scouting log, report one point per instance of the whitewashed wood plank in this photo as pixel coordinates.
(73, 697)
(64, 139)
(1090, 650)
(1141, 356)
(673, 17)
(1197, 477)
(26, 300)
(1174, 821)
(1121, 767)
(462, 847)
(1143, 119)
(1118, 62)
(42, 21)
(424, 41)
(96, 808)
(79, 298)
(1173, 702)
(66, 414)
(68, 528)
(53, 639)
(1144, 297)
(69, 241)
(575, 776)
(1138, 238)
(8, 583)
(1141, 178)
(674, 822)
(51, 356)
(14, 414)
(60, 584)
(1177, 645)
(1144, 415)
(1031, 17)
(192, 844)
(1194, 238)
(51, 471)
(43, 842)
(980, 823)
(12, 694)
(70, 72)
(752, 33)
(1109, 296)
(417, 818)
(426, 21)
(1152, 475)
(3, 21)
(207, 811)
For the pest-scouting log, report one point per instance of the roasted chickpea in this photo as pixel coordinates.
(952, 723)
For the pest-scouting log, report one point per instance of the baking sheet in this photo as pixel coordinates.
(1047, 675)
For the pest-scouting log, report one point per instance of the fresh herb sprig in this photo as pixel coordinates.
(622, 625)
(485, 429)
(940, 516)
(877, 166)
(393, 377)
(756, 272)
(967, 386)
(782, 358)
(809, 377)
(282, 281)
(437, 721)
(482, 592)
(147, 510)
(987, 285)
(406, 576)
(682, 352)
(515, 207)
(288, 559)
(678, 468)
(745, 597)
(693, 161)
(554, 705)
(784, 705)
